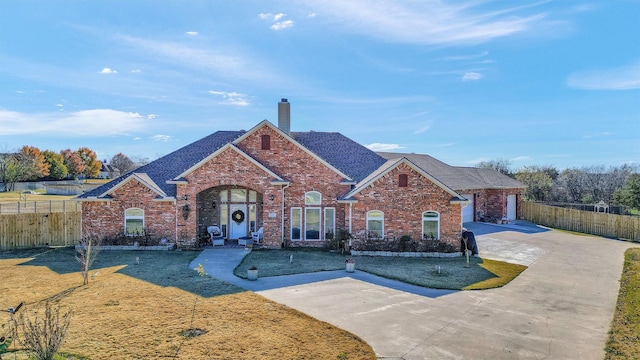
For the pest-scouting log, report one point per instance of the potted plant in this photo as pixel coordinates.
(350, 264)
(252, 273)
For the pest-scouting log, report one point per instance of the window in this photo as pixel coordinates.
(312, 198)
(296, 223)
(266, 142)
(134, 221)
(238, 195)
(329, 223)
(375, 223)
(312, 223)
(431, 225)
(403, 180)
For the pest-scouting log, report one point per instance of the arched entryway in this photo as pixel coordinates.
(236, 210)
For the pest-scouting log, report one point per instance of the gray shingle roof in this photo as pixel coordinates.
(175, 163)
(343, 153)
(455, 177)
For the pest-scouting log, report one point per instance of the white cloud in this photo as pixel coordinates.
(90, 123)
(136, 71)
(432, 22)
(312, 15)
(520, 158)
(108, 71)
(466, 57)
(597, 135)
(265, 16)
(232, 98)
(152, 116)
(383, 147)
(192, 33)
(163, 138)
(422, 129)
(282, 25)
(277, 17)
(472, 76)
(620, 78)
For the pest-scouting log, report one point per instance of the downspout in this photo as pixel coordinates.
(282, 215)
(350, 224)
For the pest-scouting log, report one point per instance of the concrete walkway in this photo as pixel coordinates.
(559, 308)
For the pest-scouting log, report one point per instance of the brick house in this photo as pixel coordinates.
(300, 187)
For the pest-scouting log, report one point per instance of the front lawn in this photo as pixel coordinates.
(624, 337)
(138, 305)
(437, 273)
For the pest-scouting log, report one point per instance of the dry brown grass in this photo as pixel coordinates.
(121, 317)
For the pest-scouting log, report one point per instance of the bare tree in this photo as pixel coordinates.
(43, 336)
(86, 253)
(499, 165)
(122, 163)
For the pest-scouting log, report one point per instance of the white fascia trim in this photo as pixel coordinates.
(143, 179)
(280, 182)
(176, 182)
(288, 137)
(166, 199)
(351, 201)
(93, 198)
(227, 146)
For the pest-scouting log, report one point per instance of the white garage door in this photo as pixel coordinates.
(511, 207)
(467, 211)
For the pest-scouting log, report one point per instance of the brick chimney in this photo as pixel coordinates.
(284, 116)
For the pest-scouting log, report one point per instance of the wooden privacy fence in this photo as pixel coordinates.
(38, 229)
(588, 222)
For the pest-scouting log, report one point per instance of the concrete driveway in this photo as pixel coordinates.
(559, 308)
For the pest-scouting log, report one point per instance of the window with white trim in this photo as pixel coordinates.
(375, 224)
(431, 225)
(312, 223)
(329, 223)
(296, 223)
(134, 222)
(312, 198)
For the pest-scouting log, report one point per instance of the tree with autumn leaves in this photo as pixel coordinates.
(32, 164)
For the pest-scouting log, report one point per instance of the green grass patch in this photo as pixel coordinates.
(624, 336)
(437, 273)
(163, 268)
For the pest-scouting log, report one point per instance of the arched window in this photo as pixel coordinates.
(134, 222)
(375, 224)
(431, 225)
(266, 142)
(312, 198)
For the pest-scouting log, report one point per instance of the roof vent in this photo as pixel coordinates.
(284, 116)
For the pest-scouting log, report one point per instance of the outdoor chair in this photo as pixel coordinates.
(257, 236)
(216, 235)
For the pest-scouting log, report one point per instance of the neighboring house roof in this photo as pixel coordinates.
(458, 178)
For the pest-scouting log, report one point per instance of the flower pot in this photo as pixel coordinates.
(252, 274)
(351, 267)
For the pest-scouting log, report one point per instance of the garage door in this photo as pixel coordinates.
(511, 207)
(467, 211)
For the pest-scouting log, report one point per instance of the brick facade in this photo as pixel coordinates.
(279, 172)
(403, 206)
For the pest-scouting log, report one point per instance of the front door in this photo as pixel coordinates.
(238, 221)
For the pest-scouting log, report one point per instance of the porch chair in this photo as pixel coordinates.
(256, 236)
(216, 235)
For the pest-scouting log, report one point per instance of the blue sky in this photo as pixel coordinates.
(535, 82)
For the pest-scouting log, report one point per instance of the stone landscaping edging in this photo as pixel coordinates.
(134, 247)
(406, 254)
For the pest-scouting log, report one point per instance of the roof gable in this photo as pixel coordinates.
(393, 164)
(142, 178)
(232, 147)
(293, 141)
